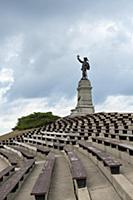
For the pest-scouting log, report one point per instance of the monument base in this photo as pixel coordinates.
(84, 102)
(82, 111)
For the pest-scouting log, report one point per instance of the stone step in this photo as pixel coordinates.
(98, 185)
(123, 183)
(26, 188)
(62, 185)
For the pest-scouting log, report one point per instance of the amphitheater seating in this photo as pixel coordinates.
(6, 172)
(114, 144)
(9, 156)
(69, 130)
(110, 133)
(35, 147)
(57, 145)
(42, 149)
(24, 152)
(12, 184)
(107, 159)
(42, 185)
(119, 136)
(77, 168)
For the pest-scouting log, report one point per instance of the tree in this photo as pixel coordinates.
(34, 120)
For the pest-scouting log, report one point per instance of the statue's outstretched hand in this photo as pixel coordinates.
(78, 56)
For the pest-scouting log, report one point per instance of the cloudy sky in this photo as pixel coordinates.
(39, 41)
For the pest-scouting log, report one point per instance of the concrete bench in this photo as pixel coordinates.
(107, 159)
(114, 144)
(9, 156)
(24, 152)
(42, 149)
(12, 184)
(6, 172)
(77, 168)
(59, 146)
(42, 185)
(120, 136)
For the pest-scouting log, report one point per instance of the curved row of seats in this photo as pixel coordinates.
(106, 130)
(69, 130)
(10, 157)
(41, 189)
(107, 159)
(15, 179)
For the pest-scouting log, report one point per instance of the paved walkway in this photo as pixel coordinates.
(97, 183)
(62, 186)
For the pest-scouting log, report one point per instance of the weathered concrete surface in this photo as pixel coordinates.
(127, 168)
(26, 188)
(3, 164)
(123, 187)
(98, 185)
(62, 186)
(83, 194)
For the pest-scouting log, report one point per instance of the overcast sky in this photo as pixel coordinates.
(39, 41)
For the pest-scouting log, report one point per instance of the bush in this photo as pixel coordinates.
(35, 120)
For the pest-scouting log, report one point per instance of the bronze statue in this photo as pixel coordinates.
(85, 66)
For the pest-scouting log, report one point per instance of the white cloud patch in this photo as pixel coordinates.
(21, 107)
(6, 81)
(116, 104)
(9, 58)
(6, 75)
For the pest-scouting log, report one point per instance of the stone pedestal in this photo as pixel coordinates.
(84, 101)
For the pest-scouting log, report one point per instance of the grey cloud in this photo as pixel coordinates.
(55, 70)
(53, 33)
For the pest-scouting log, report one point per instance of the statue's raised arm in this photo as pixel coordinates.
(85, 66)
(78, 57)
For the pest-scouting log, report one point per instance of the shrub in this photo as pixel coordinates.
(34, 120)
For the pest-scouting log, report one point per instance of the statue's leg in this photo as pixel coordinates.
(84, 74)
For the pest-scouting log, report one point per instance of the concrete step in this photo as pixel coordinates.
(98, 185)
(3, 164)
(62, 185)
(26, 188)
(123, 182)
